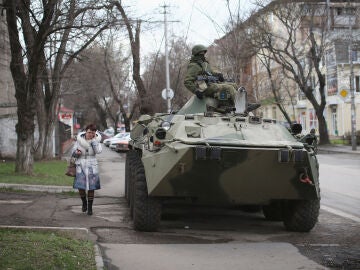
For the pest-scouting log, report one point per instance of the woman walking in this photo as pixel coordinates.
(87, 171)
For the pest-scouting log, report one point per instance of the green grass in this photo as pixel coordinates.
(339, 141)
(25, 249)
(45, 173)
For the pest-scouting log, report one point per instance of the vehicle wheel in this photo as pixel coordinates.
(273, 211)
(301, 215)
(146, 209)
(135, 162)
(128, 164)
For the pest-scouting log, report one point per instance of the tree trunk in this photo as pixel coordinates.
(41, 120)
(323, 131)
(25, 139)
(24, 158)
(24, 93)
(126, 122)
(144, 104)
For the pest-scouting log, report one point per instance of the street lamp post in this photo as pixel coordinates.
(352, 89)
(167, 63)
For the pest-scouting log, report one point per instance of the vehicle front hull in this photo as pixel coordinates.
(225, 176)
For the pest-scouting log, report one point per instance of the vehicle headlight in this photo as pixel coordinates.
(160, 133)
(165, 125)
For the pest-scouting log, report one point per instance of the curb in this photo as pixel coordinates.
(334, 151)
(98, 258)
(42, 188)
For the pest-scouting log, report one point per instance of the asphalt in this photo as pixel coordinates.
(112, 191)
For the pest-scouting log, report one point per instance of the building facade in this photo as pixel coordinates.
(341, 56)
(8, 106)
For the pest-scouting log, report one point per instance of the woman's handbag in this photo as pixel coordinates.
(71, 169)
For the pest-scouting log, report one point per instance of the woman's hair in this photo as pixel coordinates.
(92, 127)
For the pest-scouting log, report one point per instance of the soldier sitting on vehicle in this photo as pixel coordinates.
(203, 81)
(310, 139)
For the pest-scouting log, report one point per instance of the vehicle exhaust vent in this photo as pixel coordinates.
(238, 119)
(254, 120)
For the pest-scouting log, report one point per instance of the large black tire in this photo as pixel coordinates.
(301, 215)
(273, 211)
(128, 175)
(146, 209)
(135, 162)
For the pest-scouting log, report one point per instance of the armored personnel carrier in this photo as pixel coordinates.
(215, 152)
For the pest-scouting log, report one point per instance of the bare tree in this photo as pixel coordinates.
(275, 80)
(232, 53)
(86, 89)
(154, 75)
(117, 77)
(50, 36)
(133, 29)
(297, 44)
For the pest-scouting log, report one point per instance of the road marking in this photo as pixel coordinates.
(14, 202)
(340, 213)
(319, 245)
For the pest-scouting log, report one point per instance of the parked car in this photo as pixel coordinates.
(108, 141)
(122, 140)
(123, 137)
(104, 136)
(109, 131)
(123, 145)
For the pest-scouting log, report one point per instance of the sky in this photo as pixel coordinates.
(200, 21)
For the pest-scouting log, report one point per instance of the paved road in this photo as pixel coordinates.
(233, 240)
(191, 239)
(340, 184)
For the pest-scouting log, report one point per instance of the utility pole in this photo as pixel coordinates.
(352, 89)
(328, 22)
(167, 74)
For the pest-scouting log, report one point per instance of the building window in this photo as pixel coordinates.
(357, 84)
(355, 55)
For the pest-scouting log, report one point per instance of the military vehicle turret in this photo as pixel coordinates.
(215, 152)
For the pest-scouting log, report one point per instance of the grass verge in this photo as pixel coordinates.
(45, 173)
(339, 142)
(25, 249)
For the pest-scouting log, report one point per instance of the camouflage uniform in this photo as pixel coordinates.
(199, 66)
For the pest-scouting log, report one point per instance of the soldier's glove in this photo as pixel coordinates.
(220, 77)
(199, 94)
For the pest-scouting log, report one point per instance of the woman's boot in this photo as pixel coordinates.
(84, 204)
(89, 210)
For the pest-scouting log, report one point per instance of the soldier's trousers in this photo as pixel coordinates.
(217, 87)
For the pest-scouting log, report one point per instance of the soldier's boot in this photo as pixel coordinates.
(252, 106)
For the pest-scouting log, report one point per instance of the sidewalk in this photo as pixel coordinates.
(338, 149)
